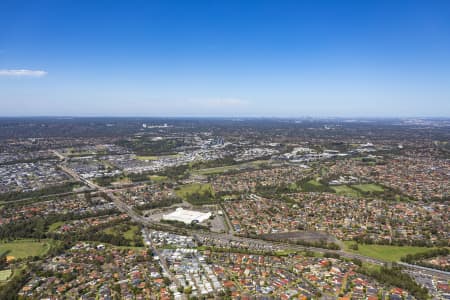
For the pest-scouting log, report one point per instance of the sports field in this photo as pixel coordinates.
(357, 190)
(385, 252)
(25, 248)
(345, 190)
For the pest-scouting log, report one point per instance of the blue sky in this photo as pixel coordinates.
(225, 58)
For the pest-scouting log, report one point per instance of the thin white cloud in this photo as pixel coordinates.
(22, 73)
(220, 102)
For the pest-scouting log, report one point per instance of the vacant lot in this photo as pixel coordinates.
(25, 248)
(385, 252)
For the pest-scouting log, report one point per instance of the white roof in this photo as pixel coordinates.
(186, 216)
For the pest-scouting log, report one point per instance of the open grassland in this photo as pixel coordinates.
(236, 167)
(55, 226)
(314, 183)
(213, 171)
(369, 188)
(25, 248)
(129, 248)
(122, 180)
(157, 178)
(188, 189)
(314, 186)
(345, 190)
(131, 233)
(385, 252)
(197, 193)
(285, 252)
(357, 190)
(5, 274)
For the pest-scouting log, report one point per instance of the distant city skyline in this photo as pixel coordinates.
(225, 58)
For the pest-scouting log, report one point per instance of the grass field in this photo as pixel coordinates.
(122, 180)
(25, 248)
(213, 171)
(55, 226)
(314, 186)
(255, 163)
(285, 252)
(385, 252)
(157, 178)
(345, 190)
(369, 187)
(188, 189)
(196, 193)
(357, 190)
(314, 183)
(220, 170)
(129, 248)
(129, 234)
(293, 186)
(4, 275)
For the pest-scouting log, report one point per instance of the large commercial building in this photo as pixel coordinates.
(187, 216)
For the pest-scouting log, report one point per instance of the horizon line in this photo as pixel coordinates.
(222, 117)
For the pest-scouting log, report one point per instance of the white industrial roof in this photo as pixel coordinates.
(186, 216)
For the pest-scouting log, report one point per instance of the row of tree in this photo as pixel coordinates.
(157, 204)
(322, 243)
(200, 197)
(58, 189)
(37, 226)
(402, 242)
(419, 258)
(395, 277)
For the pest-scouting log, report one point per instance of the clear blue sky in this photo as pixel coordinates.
(225, 58)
